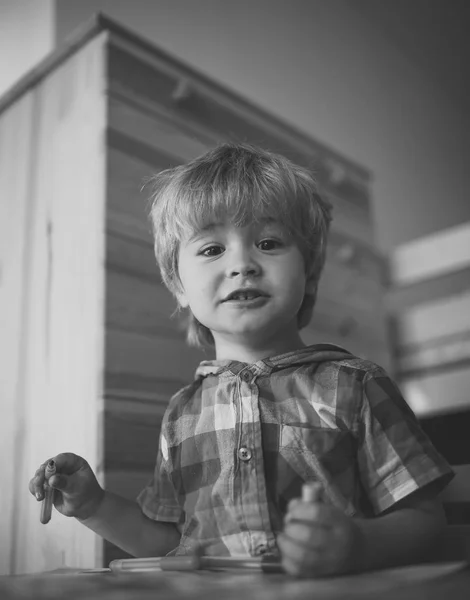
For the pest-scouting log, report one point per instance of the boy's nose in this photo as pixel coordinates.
(244, 271)
(244, 266)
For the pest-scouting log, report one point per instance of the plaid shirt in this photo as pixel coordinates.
(238, 443)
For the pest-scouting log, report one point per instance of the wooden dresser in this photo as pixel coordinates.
(90, 352)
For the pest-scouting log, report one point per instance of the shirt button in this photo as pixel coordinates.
(244, 454)
(246, 376)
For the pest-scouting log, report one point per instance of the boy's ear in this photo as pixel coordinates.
(182, 300)
(311, 286)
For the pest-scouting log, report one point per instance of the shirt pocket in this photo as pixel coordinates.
(318, 441)
(313, 453)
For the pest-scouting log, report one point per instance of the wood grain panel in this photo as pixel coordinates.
(127, 483)
(227, 115)
(136, 387)
(138, 355)
(127, 204)
(132, 256)
(155, 128)
(17, 143)
(59, 396)
(140, 306)
(131, 438)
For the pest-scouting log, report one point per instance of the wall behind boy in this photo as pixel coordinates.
(27, 35)
(332, 69)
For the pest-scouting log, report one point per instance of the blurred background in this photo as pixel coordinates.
(385, 83)
(372, 94)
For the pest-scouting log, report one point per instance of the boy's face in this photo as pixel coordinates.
(260, 258)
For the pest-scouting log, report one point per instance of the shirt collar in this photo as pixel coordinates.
(316, 353)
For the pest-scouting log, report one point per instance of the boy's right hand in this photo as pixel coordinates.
(77, 491)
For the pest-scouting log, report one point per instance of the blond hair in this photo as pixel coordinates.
(244, 183)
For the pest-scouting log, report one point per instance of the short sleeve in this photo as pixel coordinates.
(158, 500)
(395, 457)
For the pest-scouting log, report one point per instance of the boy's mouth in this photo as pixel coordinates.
(244, 294)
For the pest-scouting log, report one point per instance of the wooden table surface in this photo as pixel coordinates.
(450, 581)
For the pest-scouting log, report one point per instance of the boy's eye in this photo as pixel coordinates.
(211, 251)
(269, 244)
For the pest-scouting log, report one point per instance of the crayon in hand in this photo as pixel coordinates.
(312, 492)
(46, 506)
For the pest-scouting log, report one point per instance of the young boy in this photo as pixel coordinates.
(240, 239)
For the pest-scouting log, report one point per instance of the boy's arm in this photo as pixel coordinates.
(319, 539)
(121, 522)
(393, 450)
(407, 534)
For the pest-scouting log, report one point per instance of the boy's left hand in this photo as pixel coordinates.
(319, 540)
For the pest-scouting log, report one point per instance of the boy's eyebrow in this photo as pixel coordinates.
(203, 230)
(270, 221)
(211, 226)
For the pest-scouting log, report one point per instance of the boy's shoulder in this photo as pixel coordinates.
(355, 374)
(348, 363)
(180, 400)
(361, 365)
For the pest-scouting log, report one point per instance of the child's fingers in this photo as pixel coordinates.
(36, 488)
(298, 559)
(68, 485)
(36, 483)
(292, 503)
(59, 482)
(313, 535)
(68, 463)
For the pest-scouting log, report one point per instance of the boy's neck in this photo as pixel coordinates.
(253, 351)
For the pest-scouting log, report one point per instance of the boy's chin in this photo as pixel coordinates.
(247, 334)
(253, 328)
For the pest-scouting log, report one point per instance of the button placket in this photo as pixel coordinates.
(245, 453)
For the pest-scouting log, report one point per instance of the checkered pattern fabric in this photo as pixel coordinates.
(239, 442)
